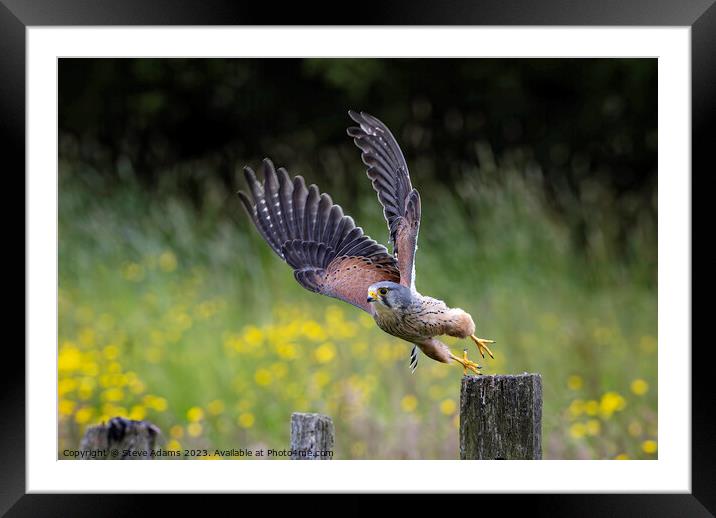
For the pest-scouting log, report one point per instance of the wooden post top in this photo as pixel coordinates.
(501, 416)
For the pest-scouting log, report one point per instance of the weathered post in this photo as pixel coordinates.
(501, 417)
(312, 436)
(120, 439)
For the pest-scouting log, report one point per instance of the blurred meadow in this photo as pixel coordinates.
(538, 186)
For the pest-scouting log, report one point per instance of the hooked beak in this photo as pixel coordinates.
(372, 297)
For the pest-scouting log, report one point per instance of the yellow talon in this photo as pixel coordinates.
(466, 364)
(482, 345)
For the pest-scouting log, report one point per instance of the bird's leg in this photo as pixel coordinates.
(482, 345)
(466, 364)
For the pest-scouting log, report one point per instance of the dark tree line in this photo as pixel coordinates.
(583, 122)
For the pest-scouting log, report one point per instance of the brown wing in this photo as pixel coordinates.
(391, 180)
(328, 253)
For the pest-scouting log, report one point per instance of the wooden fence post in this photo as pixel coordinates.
(120, 439)
(312, 436)
(501, 417)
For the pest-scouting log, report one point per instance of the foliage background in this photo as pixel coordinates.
(538, 180)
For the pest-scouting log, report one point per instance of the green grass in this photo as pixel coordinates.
(184, 317)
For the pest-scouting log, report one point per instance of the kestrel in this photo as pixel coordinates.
(330, 255)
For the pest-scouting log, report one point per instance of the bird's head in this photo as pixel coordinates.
(387, 294)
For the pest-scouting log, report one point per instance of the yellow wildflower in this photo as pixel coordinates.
(574, 382)
(83, 415)
(577, 430)
(168, 261)
(313, 331)
(635, 429)
(90, 368)
(287, 351)
(639, 387)
(66, 385)
(591, 407)
(70, 357)
(244, 404)
(366, 320)
(194, 429)
(649, 447)
(279, 370)
(321, 378)
(409, 403)
(325, 353)
(133, 272)
(448, 406)
(136, 386)
(66, 406)
(263, 377)
(246, 420)
(253, 335)
(194, 414)
(86, 387)
(181, 321)
(138, 412)
(358, 449)
(593, 427)
(111, 352)
(611, 402)
(113, 394)
(215, 407)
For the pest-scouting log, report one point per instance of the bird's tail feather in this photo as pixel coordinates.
(414, 359)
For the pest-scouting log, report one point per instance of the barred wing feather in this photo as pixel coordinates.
(328, 253)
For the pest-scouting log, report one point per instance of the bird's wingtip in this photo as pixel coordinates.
(249, 175)
(356, 116)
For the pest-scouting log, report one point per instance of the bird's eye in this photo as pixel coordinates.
(383, 291)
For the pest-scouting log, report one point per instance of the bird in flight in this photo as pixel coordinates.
(330, 255)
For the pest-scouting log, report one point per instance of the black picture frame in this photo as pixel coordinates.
(17, 15)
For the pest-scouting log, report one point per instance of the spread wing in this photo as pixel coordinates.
(328, 253)
(391, 180)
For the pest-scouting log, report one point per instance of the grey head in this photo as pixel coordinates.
(389, 294)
